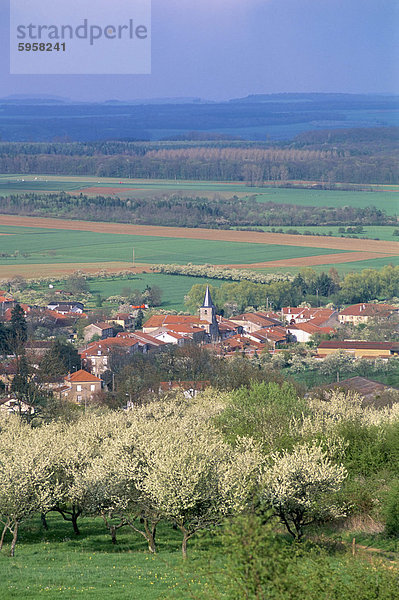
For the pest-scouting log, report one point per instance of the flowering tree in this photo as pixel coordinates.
(194, 478)
(299, 486)
(25, 473)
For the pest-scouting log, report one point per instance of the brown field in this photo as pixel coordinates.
(350, 245)
(310, 261)
(102, 191)
(56, 270)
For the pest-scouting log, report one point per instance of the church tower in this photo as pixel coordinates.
(207, 312)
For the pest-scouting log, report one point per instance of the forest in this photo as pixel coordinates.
(323, 156)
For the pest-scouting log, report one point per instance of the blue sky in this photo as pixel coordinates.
(221, 49)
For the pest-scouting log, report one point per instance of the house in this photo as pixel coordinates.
(170, 337)
(7, 314)
(227, 328)
(359, 349)
(123, 319)
(322, 317)
(6, 302)
(103, 330)
(63, 293)
(156, 322)
(66, 307)
(80, 387)
(273, 337)
(372, 392)
(361, 313)
(96, 356)
(303, 331)
(189, 332)
(147, 343)
(12, 406)
(251, 322)
(240, 344)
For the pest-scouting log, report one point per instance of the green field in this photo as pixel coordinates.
(38, 246)
(381, 232)
(385, 197)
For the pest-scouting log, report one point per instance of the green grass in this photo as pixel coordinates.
(56, 563)
(174, 287)
(59, 564)
(63, 246)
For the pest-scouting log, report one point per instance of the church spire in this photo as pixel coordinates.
(208, 300)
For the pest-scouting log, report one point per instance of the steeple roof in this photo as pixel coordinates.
(208, 300)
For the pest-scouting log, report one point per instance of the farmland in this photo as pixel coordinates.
(57, 246)
(385, 197)
(52, 245)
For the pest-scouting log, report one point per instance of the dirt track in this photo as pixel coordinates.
(351, 245)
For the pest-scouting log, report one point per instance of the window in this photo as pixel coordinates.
(79, 398)
(78, 388)
(92, 388)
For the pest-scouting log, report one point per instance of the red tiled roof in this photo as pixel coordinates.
(105, 346)
(82, 377)
(256, 318)
(101, 325)
(367, 310)
(162, 320)
(173, 334)
(311, 327)
(145, 338)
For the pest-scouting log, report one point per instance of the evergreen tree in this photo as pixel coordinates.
(138, 324)
(61, 358)
(18, 324)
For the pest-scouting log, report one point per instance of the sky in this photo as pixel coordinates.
(221, 49)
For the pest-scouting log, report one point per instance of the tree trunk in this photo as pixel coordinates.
(4, 533)
(14, 539)
(44, 521)
(74, 518)
(112, 531)
(184, 545)
(150, 535)
(75, 524)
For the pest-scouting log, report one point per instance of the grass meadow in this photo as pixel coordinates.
(56, 563)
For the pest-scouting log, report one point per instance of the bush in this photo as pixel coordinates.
(392, 510)
(260, 565)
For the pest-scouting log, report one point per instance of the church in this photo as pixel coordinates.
(204, 328)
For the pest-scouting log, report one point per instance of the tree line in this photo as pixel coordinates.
(306, 286)
(250, 165)
(180, 211)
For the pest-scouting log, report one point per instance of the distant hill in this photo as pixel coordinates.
(257, 118)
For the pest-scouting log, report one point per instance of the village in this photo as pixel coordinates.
(250, 335)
